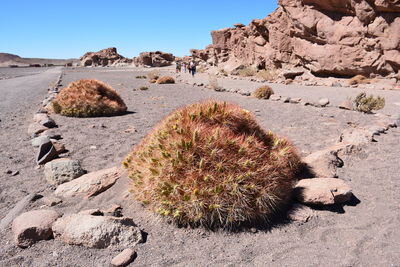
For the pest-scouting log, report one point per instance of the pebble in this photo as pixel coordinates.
(124, 258)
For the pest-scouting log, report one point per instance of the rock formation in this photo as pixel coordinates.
(154, 59)
(105, 57)
(340, 38)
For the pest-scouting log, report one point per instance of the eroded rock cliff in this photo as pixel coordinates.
(339, 38)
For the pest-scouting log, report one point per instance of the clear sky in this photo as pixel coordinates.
(69, 28)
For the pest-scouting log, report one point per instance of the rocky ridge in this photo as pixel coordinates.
(326, 37)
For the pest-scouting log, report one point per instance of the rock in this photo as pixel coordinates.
(46, 153)
(324, 163)
(300, 213)
(324, 37)
(15, 173)
(90, 184)
(336, 84)
(124, 258)
(356, 136)
(97, 231)
(50, 133)
(105, 57)
(346, 105)
(292, 73)
(49, 123)
(275, 97)
(154, 59)
(323, 102)
(322, 191)
(285, 99)
(38, 117)
(114, 210)
(294, 100)
(51, 201)
(35, 128)
(59, 147)
(40, 140)
(62, 170)
(94, 212)
(32, 226)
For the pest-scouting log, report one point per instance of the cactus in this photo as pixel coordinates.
(88, 98)
(210, 164)
(263, 92)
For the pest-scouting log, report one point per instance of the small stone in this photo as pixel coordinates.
(275, 97)
(253, 230)
(9, 172)
(124, 258)
(93, 147)
(300, 213)
(15, 173)
(115, 210)
(97, 231)
(322, 191)
(49, 123)
(60, 171)
(294, 100)
(38, 141)
(90, 184)
(46, 153)
(40, 117)
(94, 212)
(285, 99)
(348, 105)
(35, 128)
(51, 201)
(32, 226)
(59, 147)
(51, 134)
(323, 102)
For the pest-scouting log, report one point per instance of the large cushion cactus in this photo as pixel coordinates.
(211, 164)
(88, 98)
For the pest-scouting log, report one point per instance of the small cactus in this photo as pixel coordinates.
(263, 92)
(211, 164)
(88, 98)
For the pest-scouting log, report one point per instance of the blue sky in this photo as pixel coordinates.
(69, 28)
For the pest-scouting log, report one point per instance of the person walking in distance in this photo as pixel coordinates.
(178, 66)
(192, 68)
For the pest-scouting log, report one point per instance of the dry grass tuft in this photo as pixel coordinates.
(88, 98)
(367, 104)
(263, 92)
(141, 77)
(247, 72)
(359, 79)
(165, 80)
(211, 164)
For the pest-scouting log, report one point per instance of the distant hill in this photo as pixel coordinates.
(7, 60)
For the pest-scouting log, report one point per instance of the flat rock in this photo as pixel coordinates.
(90, 184)
(32, 226)
(322, 191)
(324, 163)
(124, 258)
(346, 105)
(323, 102)
(62, 170)
(356, 136)
(36, 128)
(97, 231)
(52, 134)
(300, 213)
(40, 116)
(51, 201)
(38, 141)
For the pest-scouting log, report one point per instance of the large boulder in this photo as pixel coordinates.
(62, 170)
(326, 37)
(32, 226)
(97, 231)
(105, 57)
(154, 59)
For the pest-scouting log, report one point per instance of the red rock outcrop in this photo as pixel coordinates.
(154, 59)
(327, 37)
(105, 57)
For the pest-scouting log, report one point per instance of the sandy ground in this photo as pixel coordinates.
(362, 233)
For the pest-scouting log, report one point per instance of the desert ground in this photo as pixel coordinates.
(362, 232)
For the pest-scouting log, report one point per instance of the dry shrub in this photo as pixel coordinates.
(165, 80)
(263, 92)
(267, 75)
(359, 79)
(141, 77)
(143, 88)
(153, 75)
(364, 103)
(247, 72)
(211, 164)
(88, 98)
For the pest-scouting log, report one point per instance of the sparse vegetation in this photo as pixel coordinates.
(367, 104)
(223, 72)
(211, 164)
(165, 80)
(247, 72)
(359, 79)
(88, 98)
(263, 92)
(267, 75)
(143, 88)
(141, 77)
